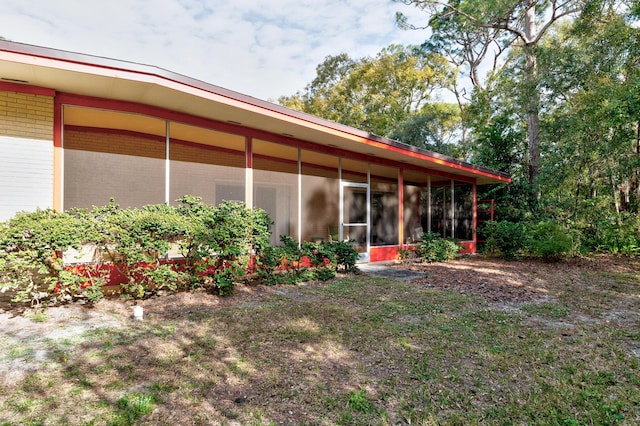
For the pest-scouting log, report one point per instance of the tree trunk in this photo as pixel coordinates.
(532, 94)
(636, 177)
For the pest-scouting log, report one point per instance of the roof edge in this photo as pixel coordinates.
(152, 70)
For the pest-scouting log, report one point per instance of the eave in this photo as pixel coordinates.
(100, 77)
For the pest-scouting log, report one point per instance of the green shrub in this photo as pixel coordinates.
(550, 241)
(324, 273)
(220, 241)
(434, 248)
(358, 401)
(219, 245)
(290, 264)
(346, 256)
(507, 238)
(137, 240)
(31, 245)
(615, 236)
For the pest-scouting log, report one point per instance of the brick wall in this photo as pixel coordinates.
(115, 143)
(198, 154)
(26, 116)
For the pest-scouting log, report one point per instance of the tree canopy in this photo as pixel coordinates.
(374, 94)
(547, 90)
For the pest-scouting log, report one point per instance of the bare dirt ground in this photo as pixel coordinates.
(515, 282)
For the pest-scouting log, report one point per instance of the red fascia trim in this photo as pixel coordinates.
(27, 89)
(310, 146)
(434, 160)
(267, 108)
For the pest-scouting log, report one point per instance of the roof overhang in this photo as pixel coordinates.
(138, 83)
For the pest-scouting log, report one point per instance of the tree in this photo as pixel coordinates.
(503, 24)
(373, 94)
(436, 127)
(591, 86)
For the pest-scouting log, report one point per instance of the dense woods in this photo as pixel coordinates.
(548, 91)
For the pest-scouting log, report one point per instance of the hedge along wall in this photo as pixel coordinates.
(26, 150)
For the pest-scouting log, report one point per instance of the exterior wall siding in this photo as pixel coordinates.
(26, 150)
(26, 116)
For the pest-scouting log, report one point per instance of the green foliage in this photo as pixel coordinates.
(585, 92)
(216, 242)
(221, 240)
(133, 407)
(225, 278)
(290, 264)
(219, 245)
(434, 248)
(506, 238)
(324, 273)
(31, 245)
(137, 240)
(435, 127)
(606, 235)
(345, 255)
(374, 94)
(549, 241)
(358, 401)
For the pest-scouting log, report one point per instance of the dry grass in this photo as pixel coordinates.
(476, 341)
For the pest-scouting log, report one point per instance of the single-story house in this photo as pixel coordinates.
(76, 130)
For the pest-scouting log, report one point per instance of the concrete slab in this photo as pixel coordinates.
(385, 270)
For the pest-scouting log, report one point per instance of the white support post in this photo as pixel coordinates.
(167, 164)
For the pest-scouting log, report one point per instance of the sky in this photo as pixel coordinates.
(265, 49)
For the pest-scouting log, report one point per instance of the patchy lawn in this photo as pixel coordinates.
(474, 341)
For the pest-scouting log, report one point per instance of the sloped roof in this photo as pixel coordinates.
(95, 76)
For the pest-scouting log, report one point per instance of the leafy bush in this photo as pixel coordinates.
(434, 248)
(346, 256)
(221, 241)
(137, 240)
(324, 273)
(546, 239)
(31, 246)
(506, 238)
(219, 244)
(549, 241)
(615, 236)
(290, 264)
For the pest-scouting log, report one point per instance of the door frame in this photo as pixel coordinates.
(363, 257)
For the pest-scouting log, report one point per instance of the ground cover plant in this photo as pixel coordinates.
(473, 341)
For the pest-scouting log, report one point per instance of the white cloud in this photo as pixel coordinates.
(262, 49)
